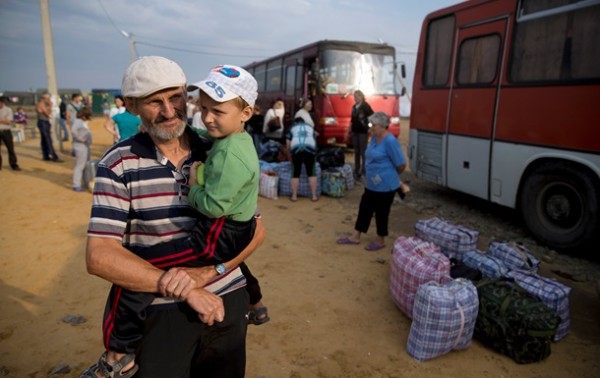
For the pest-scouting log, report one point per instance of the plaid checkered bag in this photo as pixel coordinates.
(444, 318)
(489, 266)
(284, 170)
(514, 256)
(552, 293)
(414, 262)
(453, 240)
(267, 184)
(266, 166)
(333, 183)
(348, 173)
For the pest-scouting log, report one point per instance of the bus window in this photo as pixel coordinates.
(478, 60)
(290, 80)
(260, 75)
(274, 75)
(533, 6)
(438, 54)
(556, 45)
(343, 72)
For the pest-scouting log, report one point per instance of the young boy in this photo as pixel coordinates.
(224, 190)
(21, 117)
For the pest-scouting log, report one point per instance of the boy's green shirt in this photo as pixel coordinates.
(231, 175)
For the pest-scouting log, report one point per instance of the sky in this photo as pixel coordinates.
(90, 51)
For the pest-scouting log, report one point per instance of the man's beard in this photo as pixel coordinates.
(159, 133)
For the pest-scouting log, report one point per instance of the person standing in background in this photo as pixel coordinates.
(302, 143)
(82, 139)
(385, 162)
(197, 123)
(273, 124)
(63, 119)
(254, 126)
(43, 109)
(190, 109)
(306, 106)
(109, 124)
(6, 120)
(358, 130)
(21, 117)
(72, 109)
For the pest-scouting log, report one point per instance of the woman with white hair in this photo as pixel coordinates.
(384, 162)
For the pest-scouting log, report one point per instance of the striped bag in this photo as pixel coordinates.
(414, 262)
(268, 184)
(284, 170)
(266, 166)
(514, 256)
(453, 240)
(489, 266)
(444, 318)
(554, 295)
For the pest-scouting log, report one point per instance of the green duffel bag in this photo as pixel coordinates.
(513, 321)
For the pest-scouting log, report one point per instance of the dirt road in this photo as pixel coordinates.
(330, 308)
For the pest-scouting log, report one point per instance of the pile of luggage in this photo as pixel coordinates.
(454, 292)
(334, 176)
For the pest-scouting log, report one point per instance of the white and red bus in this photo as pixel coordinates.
(328, 73)
(506, 107)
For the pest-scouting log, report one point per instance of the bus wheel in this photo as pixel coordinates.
(560, 205)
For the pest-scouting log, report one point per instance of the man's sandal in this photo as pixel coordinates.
(108, 370)
(258, 316)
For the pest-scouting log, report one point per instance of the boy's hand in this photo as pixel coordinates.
(209, 307)
(197, 173)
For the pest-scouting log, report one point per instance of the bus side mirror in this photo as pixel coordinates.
(403, 92)
(403, 72)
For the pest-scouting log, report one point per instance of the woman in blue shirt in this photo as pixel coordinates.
(384, 162)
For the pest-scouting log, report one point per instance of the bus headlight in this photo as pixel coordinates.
(395, 120)
(328, 121)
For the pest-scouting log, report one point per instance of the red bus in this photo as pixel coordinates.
(328, 73)
(506, 107)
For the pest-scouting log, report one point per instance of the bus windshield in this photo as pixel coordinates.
(342, 72)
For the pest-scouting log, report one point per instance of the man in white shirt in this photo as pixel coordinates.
(6, 120)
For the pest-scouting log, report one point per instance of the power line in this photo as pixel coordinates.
(199, 52)
(109, 19)
(170, 47)
(153, 39)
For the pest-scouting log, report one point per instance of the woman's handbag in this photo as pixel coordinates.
(274, 124)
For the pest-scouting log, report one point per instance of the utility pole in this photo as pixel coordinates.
(131, 44)
(50, 67)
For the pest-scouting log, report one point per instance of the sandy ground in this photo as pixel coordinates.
(330, 308)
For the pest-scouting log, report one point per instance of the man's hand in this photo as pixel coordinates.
(179, 282)
(209, 307)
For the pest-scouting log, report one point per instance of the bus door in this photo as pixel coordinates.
(292, 89)
(473, 102)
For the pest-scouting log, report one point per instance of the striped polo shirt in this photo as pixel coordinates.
(140, 199)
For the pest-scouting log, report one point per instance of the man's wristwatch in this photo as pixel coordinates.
(220, 268)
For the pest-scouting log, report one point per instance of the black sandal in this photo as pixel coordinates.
(258, 316)
(108, 370)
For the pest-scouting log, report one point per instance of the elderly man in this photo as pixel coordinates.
(6, 120)
(198, 326)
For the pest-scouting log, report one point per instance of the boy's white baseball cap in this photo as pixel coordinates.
(151, 74)
(225, 82)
